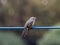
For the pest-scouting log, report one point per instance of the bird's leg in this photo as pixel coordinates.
(29, 28)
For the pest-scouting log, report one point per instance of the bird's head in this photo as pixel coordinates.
(33, 18)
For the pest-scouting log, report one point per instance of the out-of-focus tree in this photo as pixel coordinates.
(52, 37)
(16, 12)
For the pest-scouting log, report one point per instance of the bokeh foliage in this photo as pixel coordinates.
(17, 12)
(10, 38)
(52, 37)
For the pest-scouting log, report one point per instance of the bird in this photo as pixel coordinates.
(28, 25)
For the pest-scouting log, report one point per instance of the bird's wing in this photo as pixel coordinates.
(27, 27)
(28, 24)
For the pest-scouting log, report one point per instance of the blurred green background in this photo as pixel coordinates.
(10, 38)
(17, 12)
(52, 37)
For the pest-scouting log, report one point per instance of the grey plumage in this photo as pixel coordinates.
(28, 25)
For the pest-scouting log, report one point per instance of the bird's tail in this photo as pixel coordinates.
(25, 33)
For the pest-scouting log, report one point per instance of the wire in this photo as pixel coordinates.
(34, 27)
